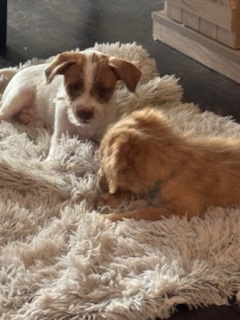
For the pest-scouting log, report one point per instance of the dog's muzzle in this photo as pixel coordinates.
(85, 115)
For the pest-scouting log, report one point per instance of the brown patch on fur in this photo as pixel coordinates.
(71, 65)
(143, 149)
(63, 63)
(104, 81)
(107, 71)
(125, 71)
(75, 88)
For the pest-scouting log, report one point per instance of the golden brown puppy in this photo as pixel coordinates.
(182, 175)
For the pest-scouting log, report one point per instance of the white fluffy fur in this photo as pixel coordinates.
(60, 260)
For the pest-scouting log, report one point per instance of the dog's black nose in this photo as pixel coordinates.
(84, 115)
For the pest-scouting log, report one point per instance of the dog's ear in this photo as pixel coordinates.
(59, 65)
(126, 161)
(126, 71)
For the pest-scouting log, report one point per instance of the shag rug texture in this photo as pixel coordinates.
(60, 259)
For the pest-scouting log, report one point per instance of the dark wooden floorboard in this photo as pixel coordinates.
(44, 28)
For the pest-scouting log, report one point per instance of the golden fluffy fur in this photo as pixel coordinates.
(142, 153)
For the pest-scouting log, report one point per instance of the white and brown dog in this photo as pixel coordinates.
(73, 94)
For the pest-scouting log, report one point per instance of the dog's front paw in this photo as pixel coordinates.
(113, 216)
(119, 216)
(104, 200)
(114, 200)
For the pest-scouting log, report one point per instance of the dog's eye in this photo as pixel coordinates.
(76, 86)
(102, 91)
(75, 89)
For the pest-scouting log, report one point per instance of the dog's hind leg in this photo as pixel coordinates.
(15, 101)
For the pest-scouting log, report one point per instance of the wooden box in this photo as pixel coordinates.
(192, 40)
(217, 19)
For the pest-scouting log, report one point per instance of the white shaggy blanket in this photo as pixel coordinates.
(59, 259)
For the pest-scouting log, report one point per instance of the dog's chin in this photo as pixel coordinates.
(84, 124)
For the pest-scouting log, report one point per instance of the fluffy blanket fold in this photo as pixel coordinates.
(62, 260)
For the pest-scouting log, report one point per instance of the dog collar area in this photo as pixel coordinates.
(154, 191)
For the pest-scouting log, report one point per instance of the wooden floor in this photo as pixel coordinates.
(43, 28)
